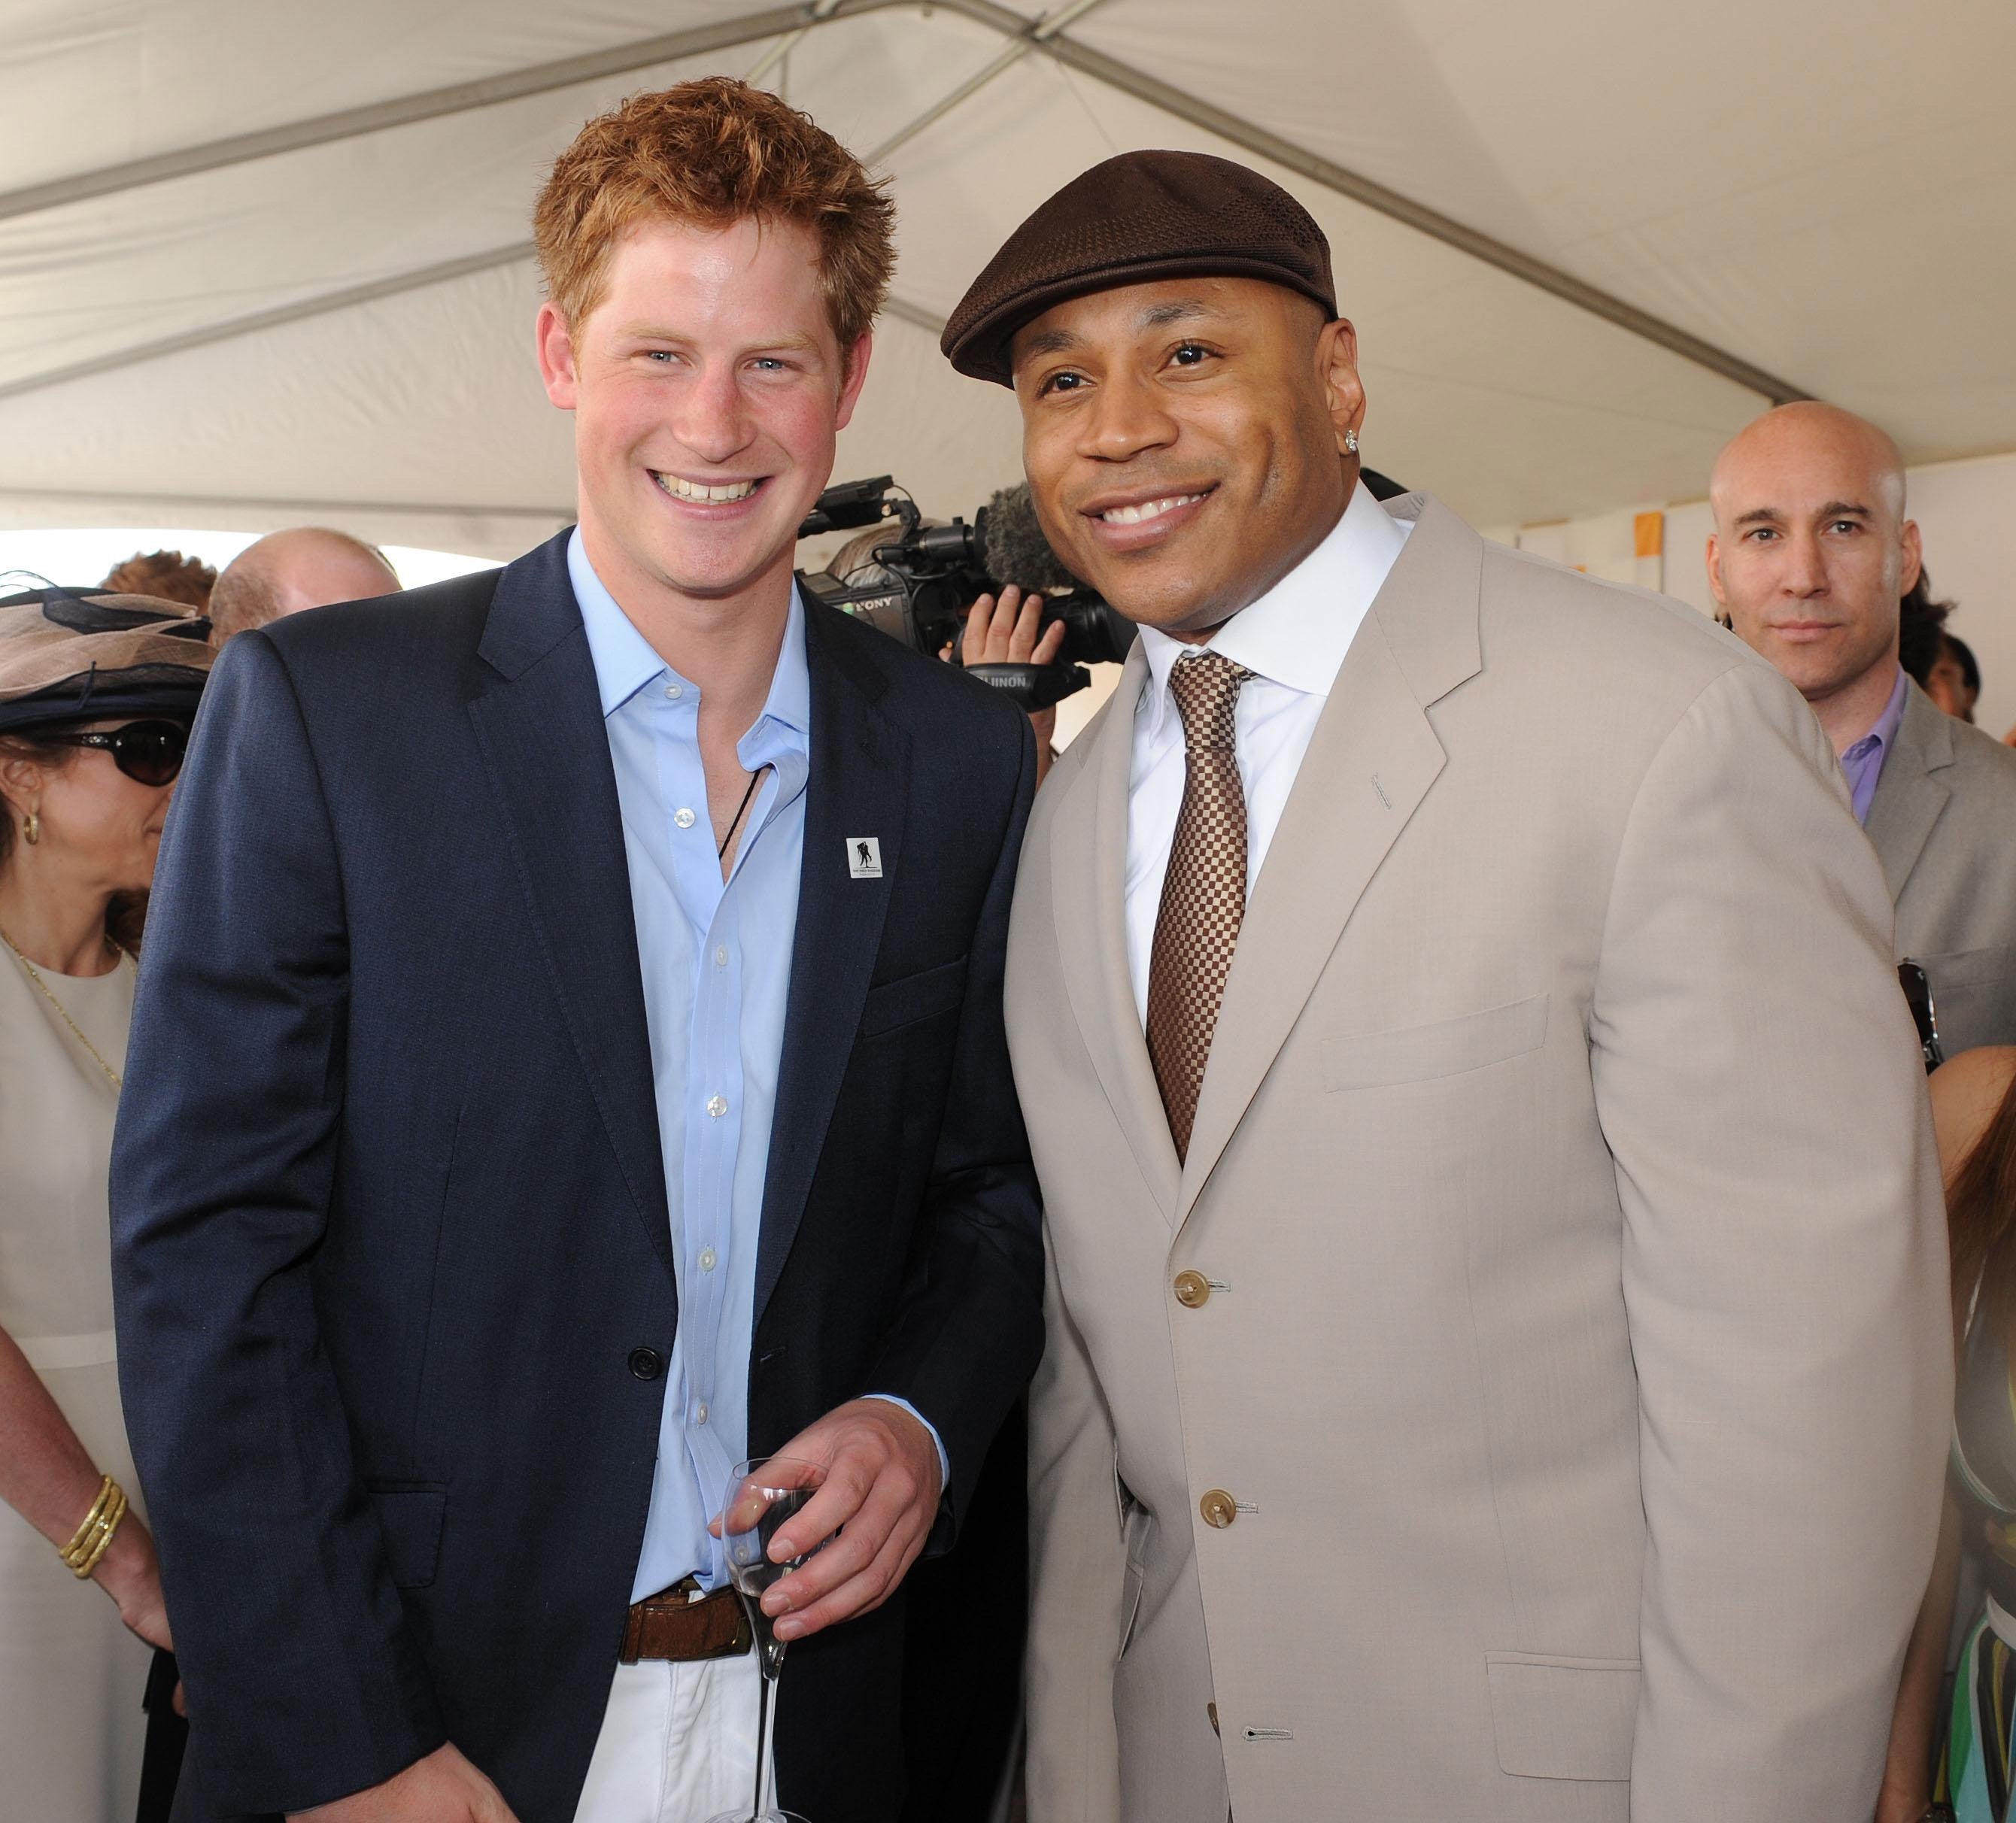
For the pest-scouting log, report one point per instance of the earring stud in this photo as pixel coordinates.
(1351, 443)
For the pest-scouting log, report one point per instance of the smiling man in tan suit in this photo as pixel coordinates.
(1495, 1364)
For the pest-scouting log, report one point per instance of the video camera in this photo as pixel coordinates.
(917, 585)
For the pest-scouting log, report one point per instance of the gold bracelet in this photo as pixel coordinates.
(106, 1488)
(110, 1526)
(81, 1554)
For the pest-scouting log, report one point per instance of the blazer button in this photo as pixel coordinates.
(1192, 1289)
(1219, 1508)
(646, 1363)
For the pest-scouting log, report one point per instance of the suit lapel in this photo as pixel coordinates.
(538, 718)
(858, 781)
(1909, 796)
(1371, 763)
(1088, 887)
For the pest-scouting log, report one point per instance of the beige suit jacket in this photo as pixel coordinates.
(1944, 824)
(1563, 1190)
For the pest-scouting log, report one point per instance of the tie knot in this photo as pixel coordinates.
(1205, 686)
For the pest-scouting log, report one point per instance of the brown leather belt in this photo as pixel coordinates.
(682, 1624)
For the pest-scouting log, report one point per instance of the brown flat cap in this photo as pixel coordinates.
(1141, 216)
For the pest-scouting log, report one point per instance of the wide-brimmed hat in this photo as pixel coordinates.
(86, 655)
(1141, 216)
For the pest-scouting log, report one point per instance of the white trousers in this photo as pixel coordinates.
(678, 1744)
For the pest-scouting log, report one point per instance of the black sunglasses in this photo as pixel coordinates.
(150, 752)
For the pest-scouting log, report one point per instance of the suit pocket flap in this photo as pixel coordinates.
(1968, 968)
(1562, 1718)
(1447, 1048)
(411, 1519)
(910, 997)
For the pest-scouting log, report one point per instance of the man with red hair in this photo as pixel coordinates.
(625, 1019)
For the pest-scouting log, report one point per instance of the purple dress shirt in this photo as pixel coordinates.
(1863, 761)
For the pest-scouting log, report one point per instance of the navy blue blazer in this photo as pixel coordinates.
(390, 1224)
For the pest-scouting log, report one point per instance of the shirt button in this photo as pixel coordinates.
(674, 692)
(699, 1414)
(716, 1105)
(707, 1257)
(721, 956)
(683, 818)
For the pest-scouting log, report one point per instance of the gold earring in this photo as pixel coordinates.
(31, 830)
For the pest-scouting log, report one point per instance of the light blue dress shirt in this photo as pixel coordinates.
(716, 962)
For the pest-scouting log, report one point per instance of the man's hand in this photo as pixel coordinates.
(1011, 631)
(881, 1494)
(443, 1788)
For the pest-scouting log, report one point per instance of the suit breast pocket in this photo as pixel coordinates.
(910, 998)
(1446, 1047)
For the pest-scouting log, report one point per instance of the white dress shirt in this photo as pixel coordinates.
(1293, 639)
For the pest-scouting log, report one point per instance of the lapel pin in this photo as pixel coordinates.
(864, 857)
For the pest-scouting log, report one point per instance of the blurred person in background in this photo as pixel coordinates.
(307, 566)
(96, 691)
(1974, 1112)
(1937, 661)
(1811, 560)
(1954, 679)
(167, 576)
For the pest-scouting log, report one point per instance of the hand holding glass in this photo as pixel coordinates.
(761, 1495)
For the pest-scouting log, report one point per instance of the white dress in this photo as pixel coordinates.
(71, 1677)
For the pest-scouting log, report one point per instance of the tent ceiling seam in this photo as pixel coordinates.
(1390, 203)
(1039, 33)
(431, 104)
(325, 303)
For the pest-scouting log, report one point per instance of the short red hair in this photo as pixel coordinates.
(708, 153)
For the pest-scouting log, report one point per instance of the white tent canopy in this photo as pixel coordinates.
(266, 263)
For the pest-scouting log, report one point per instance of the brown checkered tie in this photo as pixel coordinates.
(1204, 894)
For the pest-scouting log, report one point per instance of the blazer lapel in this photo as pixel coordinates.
(858, 781)
(1909, 796)
(1088, 887)
(538, 718)
(1371, 762)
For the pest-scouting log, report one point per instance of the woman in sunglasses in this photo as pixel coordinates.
(96, 691)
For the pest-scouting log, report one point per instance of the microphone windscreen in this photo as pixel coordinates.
(1016, 550)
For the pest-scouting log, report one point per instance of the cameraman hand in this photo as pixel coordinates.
(1011, 631)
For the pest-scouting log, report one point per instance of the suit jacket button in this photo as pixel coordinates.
(1192, 1288)
(646, 1363)
(1218, 1508)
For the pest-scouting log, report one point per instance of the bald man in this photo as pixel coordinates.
(307, 566)
(1810, 553)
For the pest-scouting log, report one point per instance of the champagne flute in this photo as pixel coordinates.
(762, 1494)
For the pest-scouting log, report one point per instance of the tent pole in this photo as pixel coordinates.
(1019, 47)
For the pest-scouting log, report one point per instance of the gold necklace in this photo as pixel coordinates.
(35, 976)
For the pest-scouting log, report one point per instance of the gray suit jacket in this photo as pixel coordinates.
(1944, 824)
(1527, 1402)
